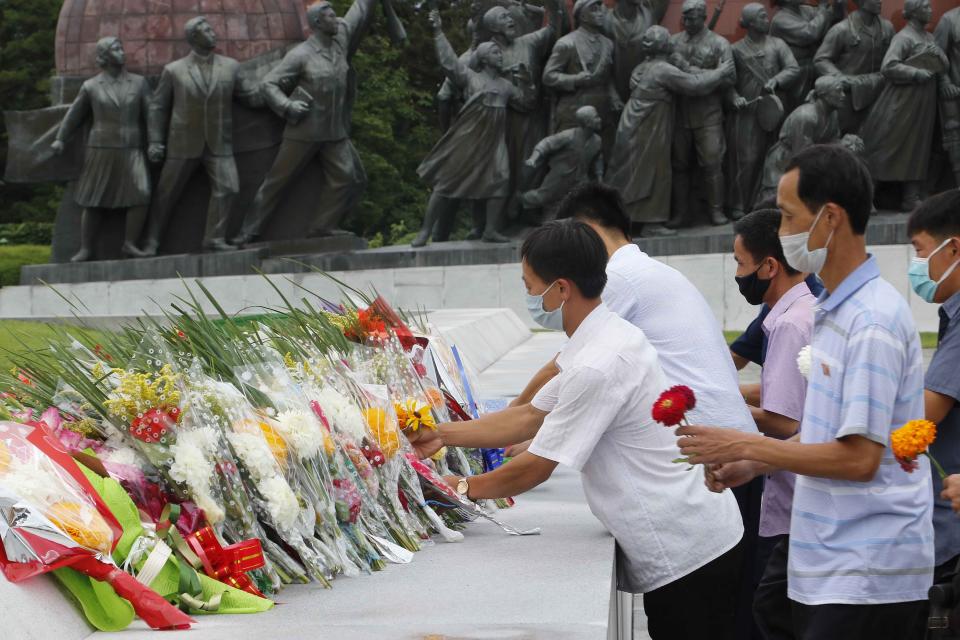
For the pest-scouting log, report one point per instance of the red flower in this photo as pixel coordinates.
(687, 393)
(181, 334)
(151, 426)
(908, 465)
(372, 453)
(670, 408)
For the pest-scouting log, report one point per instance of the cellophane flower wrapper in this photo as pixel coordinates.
(310, 446)
(334, 396)
(168, 420)
(271, 476)
(50, 518)
(377, 368)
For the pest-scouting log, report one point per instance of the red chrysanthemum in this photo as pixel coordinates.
(688, 396)
(670, 408)
(152, 426)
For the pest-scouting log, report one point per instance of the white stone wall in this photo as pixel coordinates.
(457, 287)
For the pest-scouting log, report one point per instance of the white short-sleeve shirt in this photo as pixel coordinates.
(680, 325)
(666, 522)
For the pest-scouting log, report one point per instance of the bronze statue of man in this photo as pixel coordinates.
(580, 71)
(699, 137)
(640, 166)
(854, 48)
(765, 65)
(814, 122)
(574, 156)
(898, 131)
(191, 124)
(802, 27)
(947, 36)
(114, 174)
(318, 120)
(625, 25)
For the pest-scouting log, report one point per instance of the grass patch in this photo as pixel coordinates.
(22, 336)
(15, 256)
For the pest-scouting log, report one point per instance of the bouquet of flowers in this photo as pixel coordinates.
(50, 517)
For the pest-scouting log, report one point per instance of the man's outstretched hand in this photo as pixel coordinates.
(426, 442)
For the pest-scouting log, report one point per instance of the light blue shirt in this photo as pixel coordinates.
(862, 542)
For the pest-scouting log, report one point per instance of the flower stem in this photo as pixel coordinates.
(936, 465)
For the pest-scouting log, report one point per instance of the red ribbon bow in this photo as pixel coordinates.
(228, 564)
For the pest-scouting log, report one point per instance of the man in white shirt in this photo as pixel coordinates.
(678, 544)
(680, 325)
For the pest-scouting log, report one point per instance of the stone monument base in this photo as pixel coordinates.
(350, 253)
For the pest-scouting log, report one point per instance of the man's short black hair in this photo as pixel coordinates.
(759, 233)
(568, 249)
(597, 203)
(938, 215)
(831, 173)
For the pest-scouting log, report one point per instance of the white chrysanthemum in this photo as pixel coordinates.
(124, 455)
(302, 432)
(193, 465)
(281, 501)
(255, 454)
(805, 361)
(342, 412)
(39, 486)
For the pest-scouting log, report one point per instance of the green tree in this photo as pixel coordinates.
(27, 29)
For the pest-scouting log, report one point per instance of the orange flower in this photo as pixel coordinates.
(912, 439)
(278, 446)
(83, 523)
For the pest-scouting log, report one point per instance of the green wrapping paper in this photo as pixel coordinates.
(107, 611)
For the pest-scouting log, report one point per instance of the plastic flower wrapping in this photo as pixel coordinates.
(218, 460)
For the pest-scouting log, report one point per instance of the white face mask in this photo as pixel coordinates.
(546, 319)
(799, 256)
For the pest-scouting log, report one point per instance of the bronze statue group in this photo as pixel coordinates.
(670, 120)
(530, 111)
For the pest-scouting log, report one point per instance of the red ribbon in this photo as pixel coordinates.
(148, 604)
(228, 564)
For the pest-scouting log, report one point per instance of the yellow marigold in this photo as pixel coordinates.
(913, 439)
(83, 523)
(386, 434)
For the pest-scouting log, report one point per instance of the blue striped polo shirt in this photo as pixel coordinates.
(862, 542)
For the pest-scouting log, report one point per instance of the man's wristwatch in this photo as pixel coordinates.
(463, 487)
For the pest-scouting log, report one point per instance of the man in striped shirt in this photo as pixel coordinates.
(860, 558)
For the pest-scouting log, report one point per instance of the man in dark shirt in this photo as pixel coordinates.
(934, 230)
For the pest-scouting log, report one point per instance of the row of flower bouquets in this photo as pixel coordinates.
(199, 463)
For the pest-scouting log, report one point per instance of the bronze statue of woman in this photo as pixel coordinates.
(471, 161)
(114, 174)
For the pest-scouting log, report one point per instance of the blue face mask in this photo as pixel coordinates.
(546, 319)
(919, 274)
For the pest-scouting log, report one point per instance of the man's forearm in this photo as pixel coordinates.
(850, 459)
(521, 474)
(774, 424)
(500, 429)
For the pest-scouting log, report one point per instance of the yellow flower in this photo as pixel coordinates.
(5, 458)
(385, 433)
(413, 415)
(83, 523)
(439, 455)
(913, 439)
